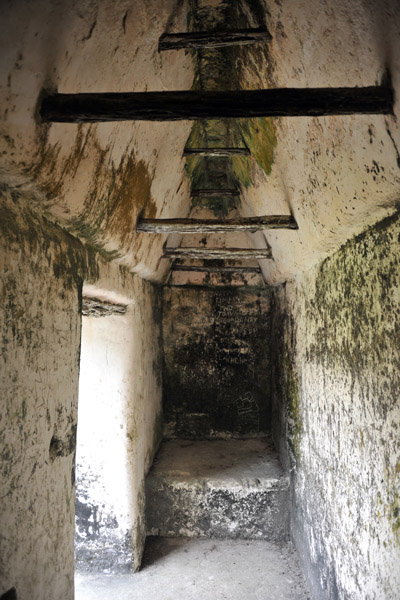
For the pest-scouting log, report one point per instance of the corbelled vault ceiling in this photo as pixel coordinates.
(336, 175)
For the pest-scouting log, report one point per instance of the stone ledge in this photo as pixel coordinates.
(222, 489)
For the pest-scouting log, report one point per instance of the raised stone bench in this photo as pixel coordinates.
(218, 488)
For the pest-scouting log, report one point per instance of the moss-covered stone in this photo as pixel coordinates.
(294, 421)
(341, 326)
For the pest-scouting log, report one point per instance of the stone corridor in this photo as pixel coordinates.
(200, 286)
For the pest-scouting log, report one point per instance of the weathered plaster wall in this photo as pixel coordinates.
(339, 360)
(119, 429)
(217, 365)
(40, 286)
(42, 269)
(337, 175)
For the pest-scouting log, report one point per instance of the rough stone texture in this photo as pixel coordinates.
(339, 376)
(119, 431)
(93, 180)
(42, 269)
(206, 569)
(216, 372)
(335, 174)
(218, 488)
(40, 290)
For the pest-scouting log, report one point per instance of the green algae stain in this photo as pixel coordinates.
(194, 165)
(227, 69)
(44, 169)
(395, 516)
(394, 503)
(219, 205)
(389, 509)
(112, 204)
(294, 421)
(117, 193)
(258, 134)
(260, 137)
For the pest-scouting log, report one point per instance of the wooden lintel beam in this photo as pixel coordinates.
(242, 151)
(213, 39)
(217, 253)
(214, 226)
(173, 106)
(215, 193)
(205, 269)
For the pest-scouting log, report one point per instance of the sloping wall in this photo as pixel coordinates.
(94, 179)
(339, 374)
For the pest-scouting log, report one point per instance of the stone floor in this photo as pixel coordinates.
(203, 569)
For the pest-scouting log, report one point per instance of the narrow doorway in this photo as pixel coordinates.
(105, 499)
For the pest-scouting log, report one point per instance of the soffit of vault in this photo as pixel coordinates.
(336, 175)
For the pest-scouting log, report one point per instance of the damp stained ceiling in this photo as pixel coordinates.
(336, 175)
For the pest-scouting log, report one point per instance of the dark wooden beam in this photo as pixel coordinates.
(173, 106)
(215, 193)
(243, 151)
(215, 226)
(213, 39)
(205, 269)
(217, 253)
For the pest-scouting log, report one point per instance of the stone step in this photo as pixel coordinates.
(218, 488)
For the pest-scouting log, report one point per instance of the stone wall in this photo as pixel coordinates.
(41, 275)
(338, 328)
(217, 364)
(42, 270)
